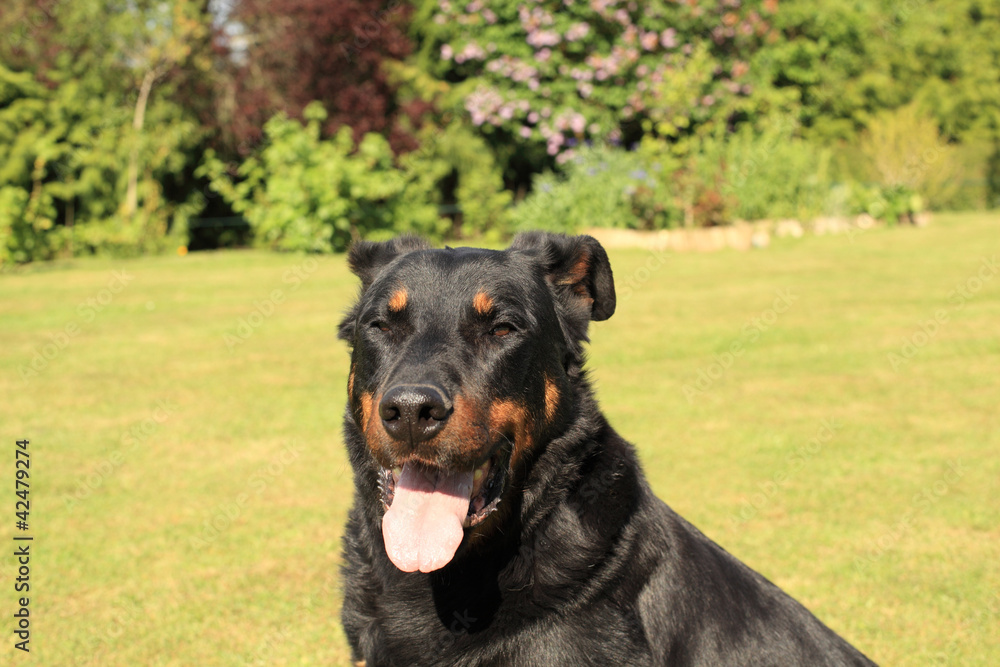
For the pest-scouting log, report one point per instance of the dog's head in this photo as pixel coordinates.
(462, 367)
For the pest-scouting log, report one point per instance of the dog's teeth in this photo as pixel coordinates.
(397, 471)
(478, 475)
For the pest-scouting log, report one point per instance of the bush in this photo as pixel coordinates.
(891, 203)
(542, 76)
(601, 187)
(469, 177)
(25, 226)
(904, 154)
(773, 174)
(306, 194)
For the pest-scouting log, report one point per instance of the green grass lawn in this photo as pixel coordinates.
(189, 484)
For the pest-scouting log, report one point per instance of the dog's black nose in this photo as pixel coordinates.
(414, 413)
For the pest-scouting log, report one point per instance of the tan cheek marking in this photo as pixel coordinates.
(551, 398)
(350, 383)
(465, 426)
(397, 301)
(366, 409)
(482, 303)
(508, 415)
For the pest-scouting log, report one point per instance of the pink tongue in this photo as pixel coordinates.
(423, 527)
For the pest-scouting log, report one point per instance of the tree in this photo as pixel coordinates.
(153, 38)
(280, 55)
(67, 113)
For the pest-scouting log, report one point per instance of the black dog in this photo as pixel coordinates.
(498, 519)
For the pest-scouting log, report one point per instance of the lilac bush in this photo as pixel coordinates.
(554, 74)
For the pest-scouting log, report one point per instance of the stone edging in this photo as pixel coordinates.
(740, 235)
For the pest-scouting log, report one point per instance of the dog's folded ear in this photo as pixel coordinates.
(576, 266)
(368, 258)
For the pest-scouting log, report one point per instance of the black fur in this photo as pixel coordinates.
(580, 564)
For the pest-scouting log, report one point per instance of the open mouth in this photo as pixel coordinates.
(488, 481)
(427, 509)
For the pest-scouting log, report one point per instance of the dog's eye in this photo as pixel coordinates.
(378, 324)
(501, 330)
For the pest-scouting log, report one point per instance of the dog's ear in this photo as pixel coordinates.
(576, 266)
(367, 259)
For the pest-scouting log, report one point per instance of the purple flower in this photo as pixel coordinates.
(539, 38)
(577, 31)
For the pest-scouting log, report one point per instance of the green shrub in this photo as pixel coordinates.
(464, 167)
(891, 203)
(25, 226)
(601, 187)
(773, 174)
(306, 194)
(904, 153)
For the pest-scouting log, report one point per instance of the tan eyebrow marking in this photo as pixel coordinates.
(397, 301)
(482, 303)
